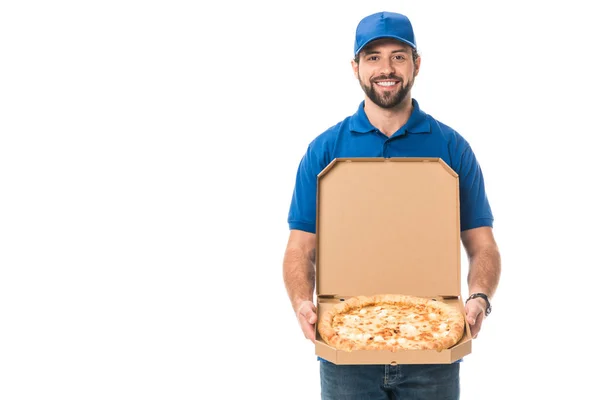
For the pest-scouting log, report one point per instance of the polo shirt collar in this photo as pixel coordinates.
(417, 123)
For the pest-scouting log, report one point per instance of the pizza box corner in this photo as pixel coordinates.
(388, 226)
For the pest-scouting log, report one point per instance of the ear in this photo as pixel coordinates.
(417, 65)
(354, 68)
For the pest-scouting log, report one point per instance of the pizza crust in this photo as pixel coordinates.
(391, 322)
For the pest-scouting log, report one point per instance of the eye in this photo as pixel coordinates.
(372, 58)
(399, 57)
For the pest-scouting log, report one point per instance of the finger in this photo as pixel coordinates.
(311, 318)
(307, 310)
(476, 328)
(307, 318)
(308, 330)
(472, 315)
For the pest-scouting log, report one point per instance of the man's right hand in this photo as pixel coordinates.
(307, 318)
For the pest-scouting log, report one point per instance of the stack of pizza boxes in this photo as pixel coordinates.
(389, 226)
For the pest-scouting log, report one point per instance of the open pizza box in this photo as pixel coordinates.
(388, 226)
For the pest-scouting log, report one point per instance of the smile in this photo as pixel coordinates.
(386, 83)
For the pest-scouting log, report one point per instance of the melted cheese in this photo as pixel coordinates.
(408, 330)
(395, 326)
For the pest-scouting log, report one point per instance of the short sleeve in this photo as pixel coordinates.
(475, 209)
(303, 209)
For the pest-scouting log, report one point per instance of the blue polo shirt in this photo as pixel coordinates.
(421, 136)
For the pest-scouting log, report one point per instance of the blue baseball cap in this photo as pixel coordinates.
(384, 25)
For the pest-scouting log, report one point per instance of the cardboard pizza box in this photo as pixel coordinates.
(388, 226)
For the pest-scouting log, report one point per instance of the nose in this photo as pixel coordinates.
(386, 66)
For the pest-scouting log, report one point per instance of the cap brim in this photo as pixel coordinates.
(386, 37)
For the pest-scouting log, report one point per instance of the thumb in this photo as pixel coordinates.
(472, 315)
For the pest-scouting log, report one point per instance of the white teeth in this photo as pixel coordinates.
(386, 83)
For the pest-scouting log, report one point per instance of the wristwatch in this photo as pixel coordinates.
(488, 308)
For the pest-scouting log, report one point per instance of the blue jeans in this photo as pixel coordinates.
(386, 382)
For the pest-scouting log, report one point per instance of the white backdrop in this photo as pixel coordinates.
(148, 152)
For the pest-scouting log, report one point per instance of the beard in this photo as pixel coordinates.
(389, 99)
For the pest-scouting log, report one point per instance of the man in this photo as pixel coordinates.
(389, 123)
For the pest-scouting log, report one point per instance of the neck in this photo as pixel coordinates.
(388, 120)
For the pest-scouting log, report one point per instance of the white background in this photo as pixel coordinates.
(148, 152)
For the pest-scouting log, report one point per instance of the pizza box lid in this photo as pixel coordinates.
(388, 225)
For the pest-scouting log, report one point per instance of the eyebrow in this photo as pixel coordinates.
(369, 52)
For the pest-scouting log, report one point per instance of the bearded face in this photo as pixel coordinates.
(386, 72)
(386, 91)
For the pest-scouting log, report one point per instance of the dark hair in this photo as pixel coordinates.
(415, 55)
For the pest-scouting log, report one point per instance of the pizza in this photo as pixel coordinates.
(391, 322)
